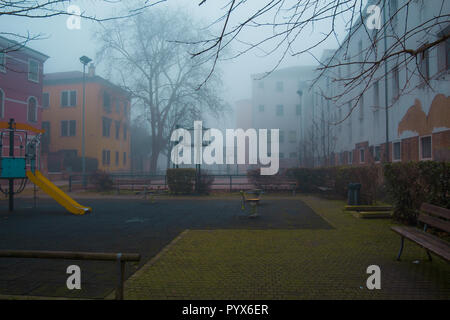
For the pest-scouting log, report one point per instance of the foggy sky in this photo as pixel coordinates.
(65, 46)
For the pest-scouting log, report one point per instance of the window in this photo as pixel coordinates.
(106, 126)
(106, 102)
(117, 158)
(106, 157)
(393, 4)
(397, 151)
(443, 51)
(261, 108)
(425, 148)
(362, 156)
(117, 106)
(117, 123)
(298, 110)
(279, 86)
(281, 155)
(293, 155)
(45, 140)
(124, 158)
(68, 128)
(377, 156)
(33, 70)
(2, 104)
(2, 62)
(396, 84)
(125, 109)
(280, 110)
(425, 65)
(45, 100)
(360, 54)
(68, 98)
(350, 157)
(361, 107)
(72, 128)
(32, 109)
(292, 136)
(125, 128)
(281, 136)
(376, 95)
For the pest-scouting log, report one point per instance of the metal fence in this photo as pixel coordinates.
(120, 258)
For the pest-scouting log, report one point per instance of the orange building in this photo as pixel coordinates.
(107, 134)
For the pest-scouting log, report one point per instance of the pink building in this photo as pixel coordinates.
(21, 75)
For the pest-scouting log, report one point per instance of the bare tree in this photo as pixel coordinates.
(401, 40)
(144, 54)
(43, 9)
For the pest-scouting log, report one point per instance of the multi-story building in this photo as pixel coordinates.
(107, 137)
(21, 78)
(278, 101)
(418, 102)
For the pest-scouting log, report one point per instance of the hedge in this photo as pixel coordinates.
(412, 183)
(337, 180)
(181, 180)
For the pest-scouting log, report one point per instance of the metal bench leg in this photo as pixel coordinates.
(429, 256)
(401, 249)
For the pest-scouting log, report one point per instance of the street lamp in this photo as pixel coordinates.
(84, 60)
(300, 127)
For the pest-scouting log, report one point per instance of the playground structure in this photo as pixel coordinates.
(22, 163)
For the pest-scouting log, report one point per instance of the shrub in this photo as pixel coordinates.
(410, 184)
(206, 181)
(101, 180)
(181, 180)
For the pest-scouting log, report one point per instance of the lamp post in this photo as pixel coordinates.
(84, 60)
(298, 112)
(386, 98)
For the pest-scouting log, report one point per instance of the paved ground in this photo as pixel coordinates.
(121, 226)
(292, 264)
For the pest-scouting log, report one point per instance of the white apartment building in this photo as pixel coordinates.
(418, 113)
(278, 100)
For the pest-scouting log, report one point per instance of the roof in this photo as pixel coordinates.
(76, 77)
(13, 45)
(287, 72)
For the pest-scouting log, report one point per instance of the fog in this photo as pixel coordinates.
(65, 46)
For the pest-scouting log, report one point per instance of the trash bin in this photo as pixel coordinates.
(353, 194)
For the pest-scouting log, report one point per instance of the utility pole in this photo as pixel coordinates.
(84, 60)
(386, 98)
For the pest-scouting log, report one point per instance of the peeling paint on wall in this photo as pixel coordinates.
(417, 121)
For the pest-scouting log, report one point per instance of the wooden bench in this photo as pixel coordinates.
(131, 184)
(430, 216)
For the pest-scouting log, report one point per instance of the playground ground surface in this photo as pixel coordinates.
(300, 247)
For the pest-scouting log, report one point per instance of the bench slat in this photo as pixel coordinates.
(428, 241)
(435, 222)
(435, 210)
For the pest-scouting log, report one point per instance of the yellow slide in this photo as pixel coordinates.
(56, 193)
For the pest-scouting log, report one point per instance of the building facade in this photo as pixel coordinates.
(21, 81)
(352, 129)
(278, 101)
(107, 115)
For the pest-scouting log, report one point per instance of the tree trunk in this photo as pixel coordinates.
(154, 161)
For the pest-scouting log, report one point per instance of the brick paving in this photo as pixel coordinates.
(327, 263)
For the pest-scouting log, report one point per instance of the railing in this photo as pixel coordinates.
(121, 259)
(229, 182)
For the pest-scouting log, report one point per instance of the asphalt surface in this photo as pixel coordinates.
(134, 226)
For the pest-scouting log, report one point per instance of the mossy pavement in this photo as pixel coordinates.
(292, 264)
